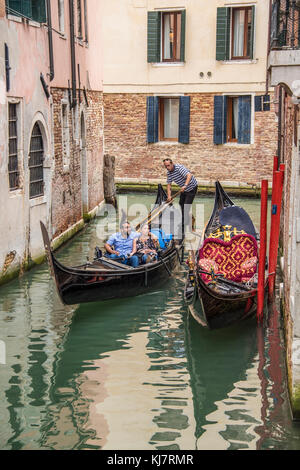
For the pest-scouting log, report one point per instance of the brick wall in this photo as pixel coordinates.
(2, 8)
(67, 206)
(126, 132)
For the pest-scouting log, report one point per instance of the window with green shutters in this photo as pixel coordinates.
(32, 9)
(235, 33)
(166, 36)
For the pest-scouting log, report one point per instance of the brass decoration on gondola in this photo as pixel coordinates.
(225, 233)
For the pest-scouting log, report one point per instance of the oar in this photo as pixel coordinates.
(156, 211)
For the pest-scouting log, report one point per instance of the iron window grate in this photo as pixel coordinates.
(36, 158)
(13, 170)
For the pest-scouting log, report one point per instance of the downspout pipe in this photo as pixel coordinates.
(50, 40)
(72, 44)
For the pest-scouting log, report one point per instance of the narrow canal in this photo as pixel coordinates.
(136, 373)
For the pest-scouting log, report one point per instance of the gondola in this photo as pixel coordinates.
(104, 279)
(221, 284)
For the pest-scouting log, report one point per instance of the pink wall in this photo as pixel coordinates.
(87, 56)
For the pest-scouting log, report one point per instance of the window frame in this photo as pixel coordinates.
(65, 135)
(229, 119)
(161, 118)
(79, 20)
(247, 9)
(61, 15)
(41, 165)
(220, 134)
(175, 40)
(16, 155)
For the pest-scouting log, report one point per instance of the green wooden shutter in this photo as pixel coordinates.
(258, 103)
(153, 36)
(15, 5)
(252, 33)
(27, 8)
(220, 119)
(39, 11)
(152, 119)
(182, 37)
(184, 120)
(244, 120)
(223, 33)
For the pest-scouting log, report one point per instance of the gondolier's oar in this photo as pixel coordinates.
(156, 212)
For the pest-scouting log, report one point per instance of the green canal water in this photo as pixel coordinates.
(137, 373)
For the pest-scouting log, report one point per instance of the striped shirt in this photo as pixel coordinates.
(179, 175)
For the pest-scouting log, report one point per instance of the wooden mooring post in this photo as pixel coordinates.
(109, 180)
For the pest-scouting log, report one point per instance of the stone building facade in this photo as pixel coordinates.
(51, 107)
(197, 95)
(284, 69)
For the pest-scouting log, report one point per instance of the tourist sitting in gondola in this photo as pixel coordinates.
(145, 246)
(119, 246)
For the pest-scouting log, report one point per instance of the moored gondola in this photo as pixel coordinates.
(104, 279)
(221, 285)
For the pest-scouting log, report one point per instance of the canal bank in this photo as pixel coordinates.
(125, 185)
(14, 267)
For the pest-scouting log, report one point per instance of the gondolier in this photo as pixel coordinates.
(181, 176)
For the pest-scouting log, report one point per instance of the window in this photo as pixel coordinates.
(36, 158)
(86, 21)
(65, 136)
(13, 171)
(166, 36)
(232, 119)
(32, 9)
(235, 33)
(61, 15)
(241, 33)
(79, 20)
(168, 119)
(171, 33)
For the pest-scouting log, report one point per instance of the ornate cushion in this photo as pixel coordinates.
(235, 259)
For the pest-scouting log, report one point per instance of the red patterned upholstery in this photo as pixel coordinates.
(236, 259)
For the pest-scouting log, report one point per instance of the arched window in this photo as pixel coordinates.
(36, 157)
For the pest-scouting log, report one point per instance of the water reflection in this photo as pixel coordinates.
(135, 374)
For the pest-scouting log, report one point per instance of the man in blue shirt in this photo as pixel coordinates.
(119, 245)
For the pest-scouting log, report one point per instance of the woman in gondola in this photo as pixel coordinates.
(145, 246)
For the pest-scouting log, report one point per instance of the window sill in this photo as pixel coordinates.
(18, 19)
(167, 142)
(21, 19)
(167, 64)
(37, 201)
(239, 61)
(235, 144)
(15, 193)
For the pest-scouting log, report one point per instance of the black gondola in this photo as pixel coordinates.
(214, 297)
(105, 279)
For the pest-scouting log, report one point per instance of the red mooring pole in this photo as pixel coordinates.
(262, 250)
(275, 226)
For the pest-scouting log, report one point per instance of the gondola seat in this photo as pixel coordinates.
(236, 259)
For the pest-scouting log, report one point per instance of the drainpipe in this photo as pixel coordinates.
(73, 61)
(49, 23)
